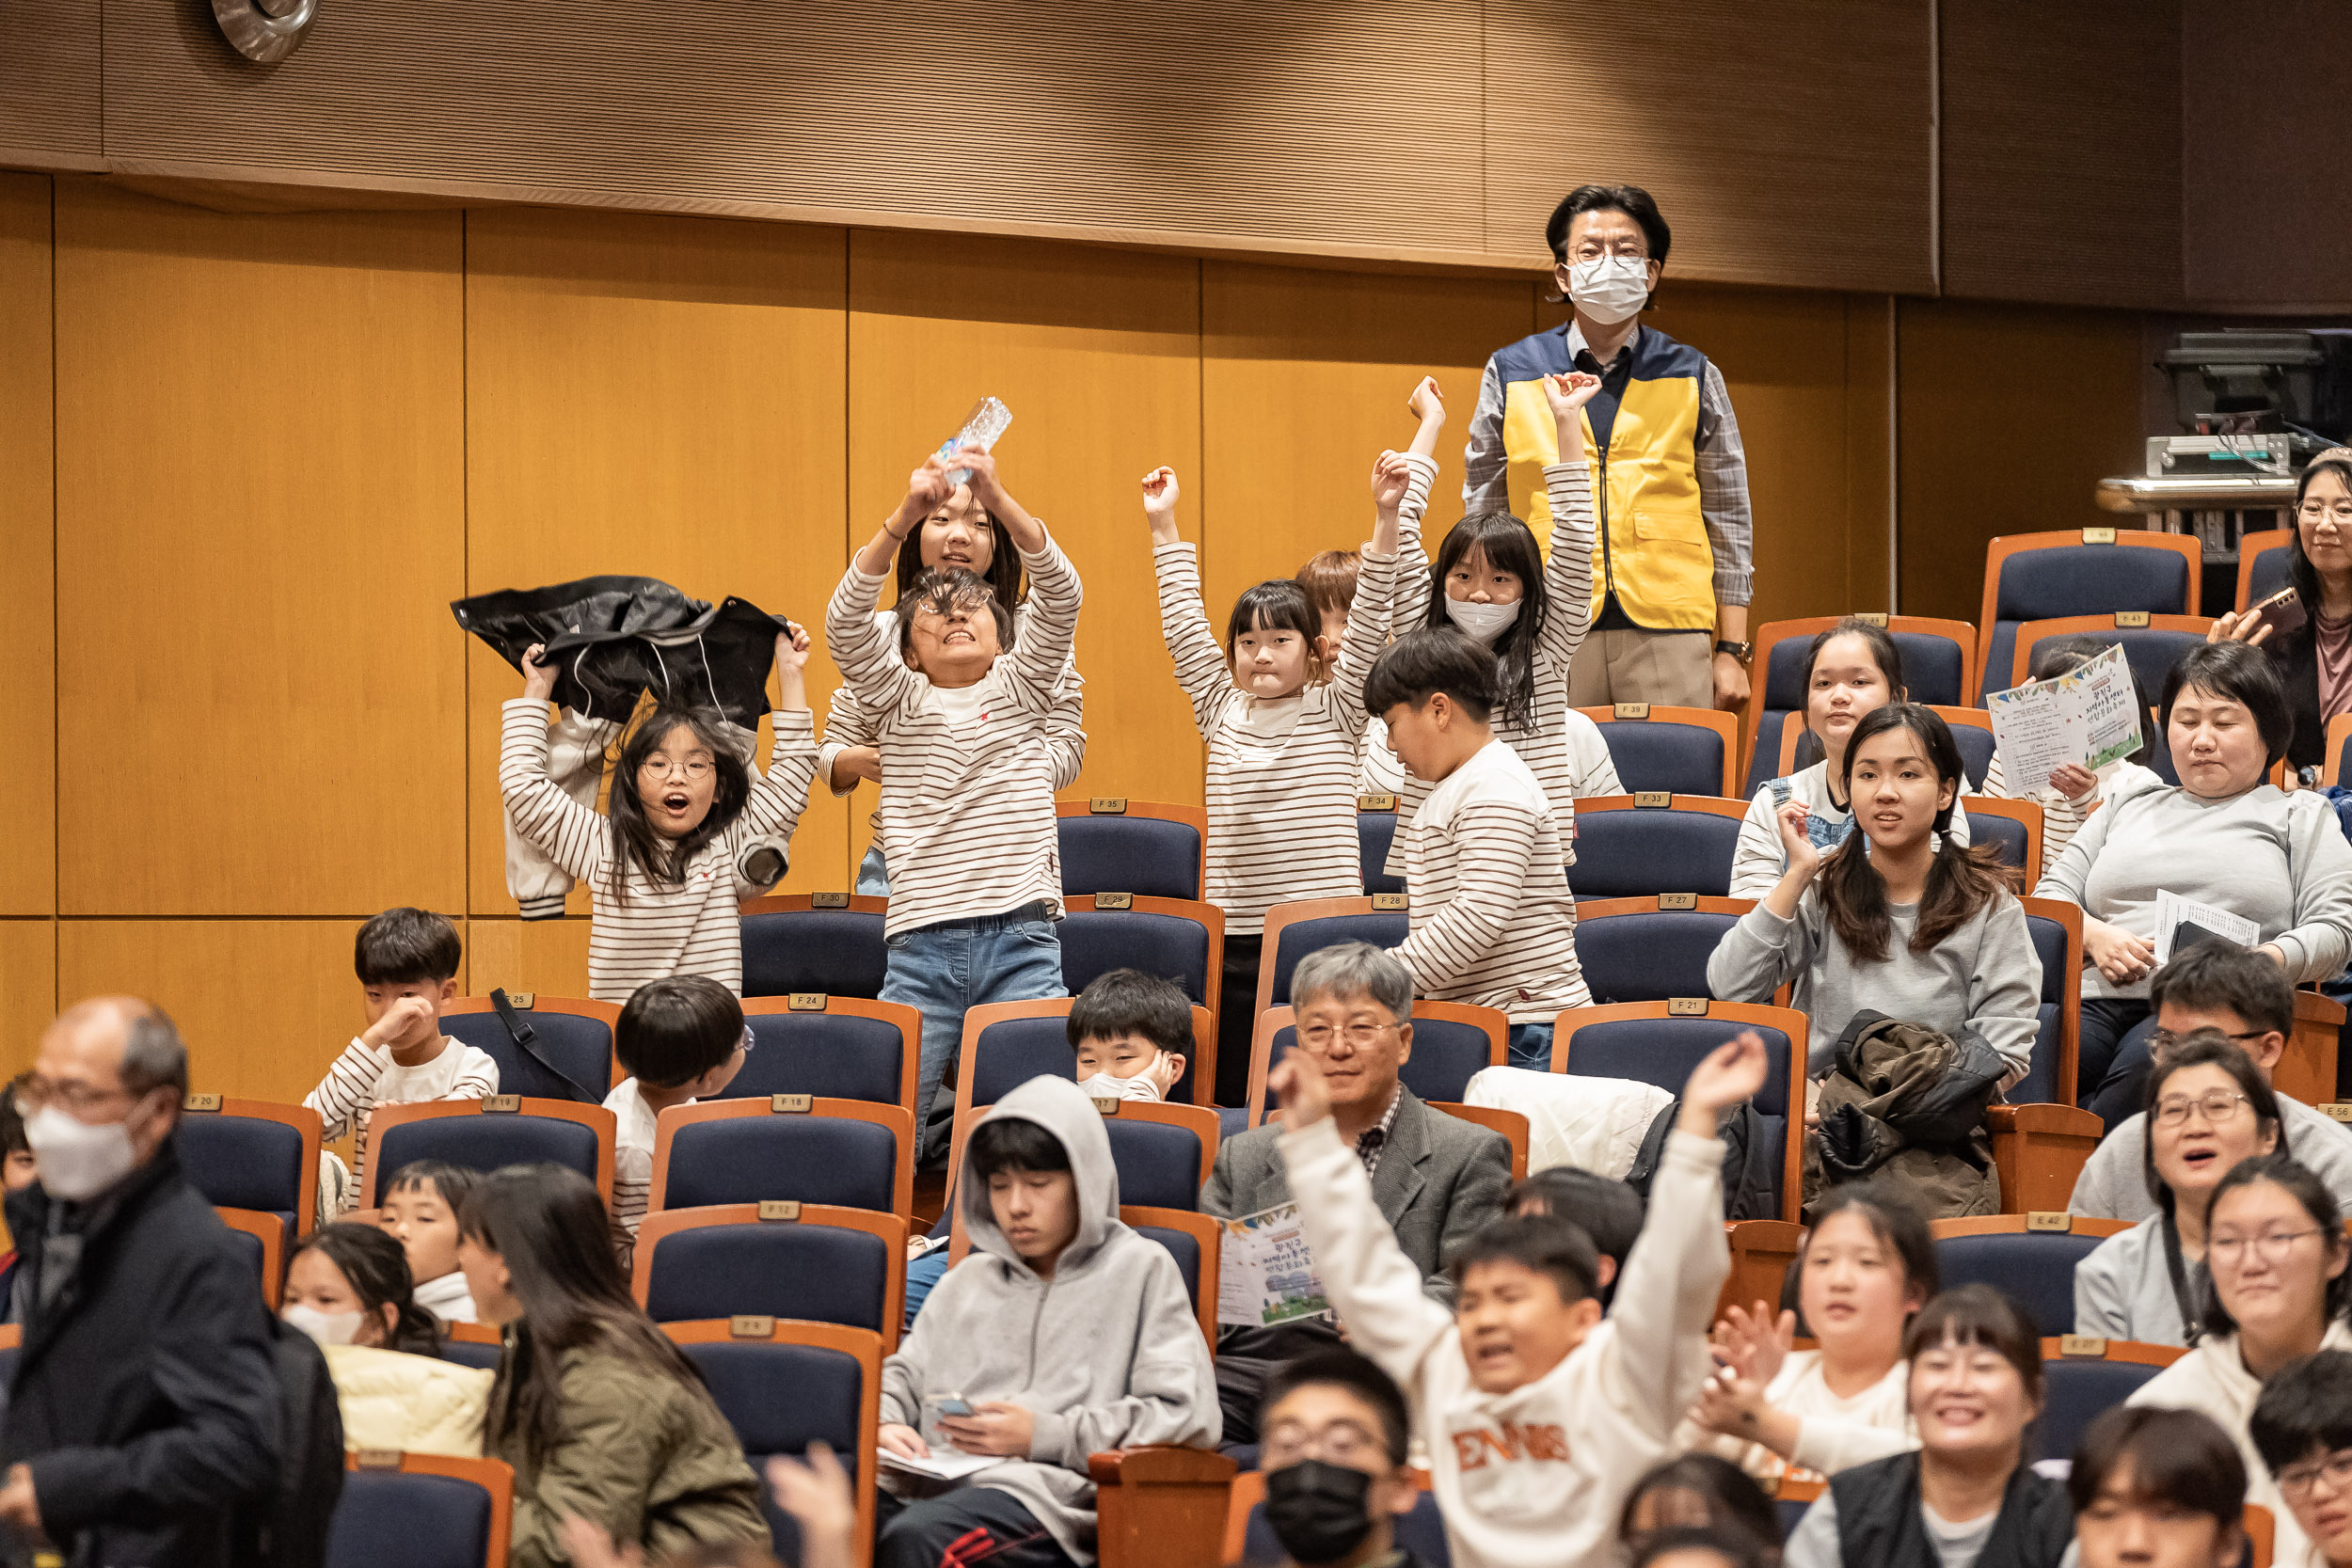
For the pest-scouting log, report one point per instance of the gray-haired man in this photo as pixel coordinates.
(1436, 1179)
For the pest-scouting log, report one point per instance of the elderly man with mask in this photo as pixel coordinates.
(144, 1408)
(1436, 1179)
(1672, 558)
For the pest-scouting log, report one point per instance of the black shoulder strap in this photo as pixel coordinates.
(2179, 1271)
(526, 1040)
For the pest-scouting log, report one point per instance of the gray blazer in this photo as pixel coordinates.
(1438, 1181)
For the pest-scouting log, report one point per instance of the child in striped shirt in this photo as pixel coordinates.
(1282, 744)
(962, 720)
(661, 864)
(682, 1039)
(1493, 922)
(406, 960)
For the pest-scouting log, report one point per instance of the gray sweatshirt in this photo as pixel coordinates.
(1984, 977)
(2275, 859)
(2113, 1187)
(1106, 1354)
(2123, 1289)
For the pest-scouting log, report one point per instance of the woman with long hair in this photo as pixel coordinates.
(601, 1417)
(2314, 652)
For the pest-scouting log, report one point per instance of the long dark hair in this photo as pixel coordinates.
(2317, 1201)
(1509, 545)
(2206, 1047)
(376, 1268)
(2300, 571)
(1896, 1223)
(548, 1225)
(634, 842)
(1961, 879)
(1004, 561)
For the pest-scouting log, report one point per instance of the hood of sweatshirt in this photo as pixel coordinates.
(1068, 1113)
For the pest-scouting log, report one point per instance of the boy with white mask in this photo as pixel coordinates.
(1129, 1032)
(1673, 561)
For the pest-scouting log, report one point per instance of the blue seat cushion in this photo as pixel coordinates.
(1148, 855)
(579, 1048)
(839, 951)
(2036, 1270)
(780, 1398)
(244, 1162)
(484, 1143)
(817, 1273)
(832, 1056)
(1638, 853)
(1375, 830)
(2077, 1393)
(852, 1164)
(1380, 928)
(387, 1520)
(1095, 942)
(1158, 1165)
(2004, 833)
(1008, 1054)
(1648, 956)
(2077, 579)
(1686, 759)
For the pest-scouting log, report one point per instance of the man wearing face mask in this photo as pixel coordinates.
(1337, 1482)
(143, 1407)
(1671, 563)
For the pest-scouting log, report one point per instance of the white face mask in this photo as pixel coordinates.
(1484, 622)
(1609, 289)
(78, 1161)
(327, 1328)
(1103, 1085)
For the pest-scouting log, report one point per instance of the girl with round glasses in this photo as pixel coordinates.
(2276, 1292)
(2208, 1108)
(2312, 644)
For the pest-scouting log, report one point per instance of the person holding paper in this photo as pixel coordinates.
(1902, 918)
(2069, 794)
(1540, 1412)
(1436, 1180)
(1062, 1333)
(2225, 838)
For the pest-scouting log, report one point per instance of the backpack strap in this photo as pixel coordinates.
(526, 1040)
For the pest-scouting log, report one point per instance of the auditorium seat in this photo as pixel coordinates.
(1144, 847)
(850, 1153)
(1681, 750)
(835, 1047)
(1939, 661)
(421, 1510)
(1649, 949)
(484, 1135)
(801, 1260)
(1641, 846)
(558, 1047)
(829, 942)
(2084, 572)
(2030, 1256)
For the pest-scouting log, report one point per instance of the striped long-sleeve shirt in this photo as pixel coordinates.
(364, 1077)
(1543, 745)
(655, 931)
(967, 802)
(1282, 773)
(848, 724)
(1492, 921)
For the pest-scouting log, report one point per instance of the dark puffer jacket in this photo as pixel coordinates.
(1908, 1101)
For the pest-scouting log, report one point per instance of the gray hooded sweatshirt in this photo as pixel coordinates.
(1106, 1354)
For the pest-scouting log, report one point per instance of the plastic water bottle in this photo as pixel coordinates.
(981, 428)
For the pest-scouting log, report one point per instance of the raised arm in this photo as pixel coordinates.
(860, 646)
(1372, 1284)
(572, 834)
(779, 794)
(1201, 669)
(1569, 573)
(1371, 610)
(1065, 727)
(1412, 564)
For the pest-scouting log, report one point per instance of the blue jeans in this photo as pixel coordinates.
(873, 874)
(1530, 1046)
(942, 970)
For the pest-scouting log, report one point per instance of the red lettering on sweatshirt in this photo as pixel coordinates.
(1546, 1443)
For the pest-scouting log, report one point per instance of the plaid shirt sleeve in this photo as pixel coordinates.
(1723, 469)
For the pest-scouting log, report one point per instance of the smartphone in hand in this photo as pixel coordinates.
(2282, 612)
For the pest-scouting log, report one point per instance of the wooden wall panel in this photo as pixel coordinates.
(1788, 361)
(259, 521)
(49, 82)
(1786, 144)
(2061, 134)
(1303, 380)
(2265, 144)
(263, 1005)
(655, 396)
(28, 990)
(548, 956)
(2008, 417)
(1097, 352)
(28, 518)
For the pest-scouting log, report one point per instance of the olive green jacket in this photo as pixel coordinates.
(647, 1456)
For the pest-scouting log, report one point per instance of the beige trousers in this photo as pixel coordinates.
(1670, 668)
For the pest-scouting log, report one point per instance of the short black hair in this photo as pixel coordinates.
(407, 948)
(452, 1183)
(2305, 1404)
(2222, 974)
(1342, 1368)
(2243, 675)
(676, 1029)
(1733, 1500)
(1428, 660)
(2176, 1456)
(1979, 1315)
(1608, 1212)
(1735, 1546)
(2317, 1201)
(1129, 1001)
(1633, 201)
(941, 592)
(1544, 1244)
(1013, 1143)
(2206, 1048)
(12, 1138)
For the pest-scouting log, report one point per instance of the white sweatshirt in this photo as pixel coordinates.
(1535, 1476)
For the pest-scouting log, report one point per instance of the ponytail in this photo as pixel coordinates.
(1962, 880)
